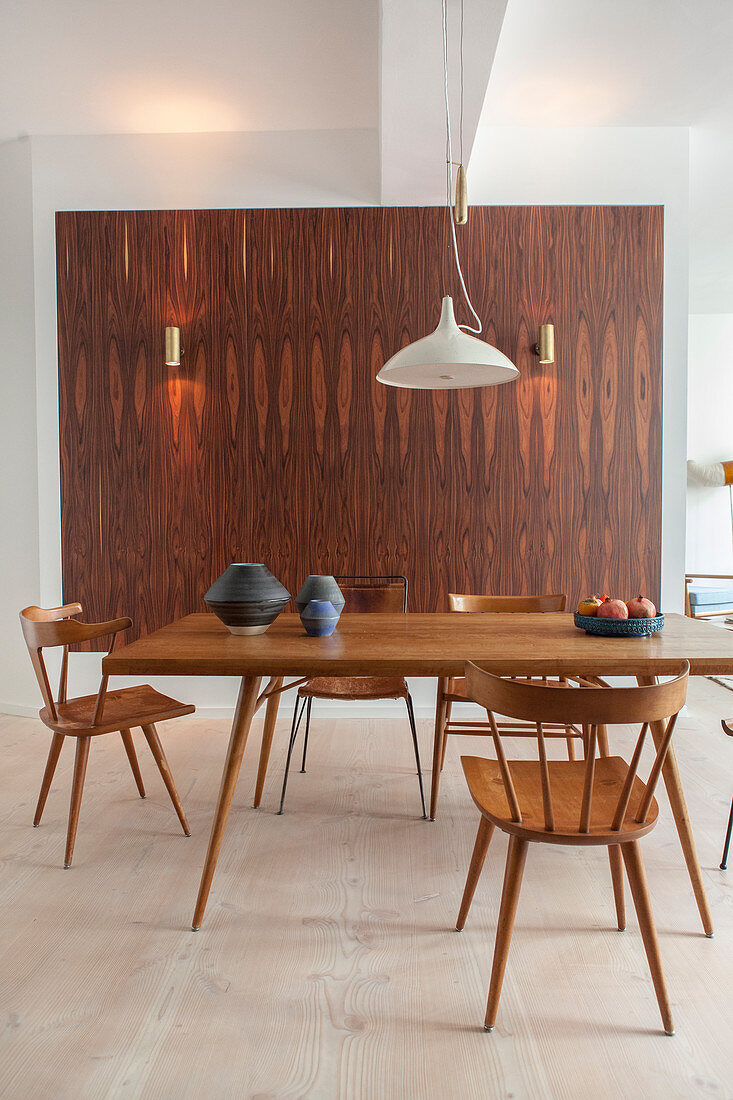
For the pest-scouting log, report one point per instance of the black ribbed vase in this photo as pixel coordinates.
(247, 598)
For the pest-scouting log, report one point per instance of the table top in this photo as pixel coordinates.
(422, 645)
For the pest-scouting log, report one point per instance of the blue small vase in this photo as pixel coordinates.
(319, 617)
(319, 587)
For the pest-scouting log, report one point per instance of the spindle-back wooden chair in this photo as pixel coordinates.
(596, 801)
(452, 689)
(91, 715)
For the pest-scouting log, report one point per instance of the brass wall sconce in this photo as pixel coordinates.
(173, 349)
(545, 348)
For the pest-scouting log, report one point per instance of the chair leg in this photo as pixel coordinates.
(438, 743)
(571, 746)
(77, 786)
(151, 736)
(411, 717)
(617, 877)
(57, 741)
(297, 715)
(726, 846)
(129, 744)
(614, 852)
(480, 848)
(640, 893)
(515, 860)
(446, 720)
(307, 731)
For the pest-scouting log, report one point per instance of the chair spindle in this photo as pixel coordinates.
(545, 774)
(511, 794)
(590, 771)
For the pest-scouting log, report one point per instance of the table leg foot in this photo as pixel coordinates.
(244, 713)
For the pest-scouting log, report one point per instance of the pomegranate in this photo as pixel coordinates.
(641, 608)
(613, 609)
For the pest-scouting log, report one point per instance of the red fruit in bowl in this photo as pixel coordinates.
(613, 609)
(641, 608)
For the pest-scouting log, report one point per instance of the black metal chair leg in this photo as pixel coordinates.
(307, 731)
(724, 860)
(297, 715)
(411, 716)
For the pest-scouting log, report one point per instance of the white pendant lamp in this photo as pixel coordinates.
(450, 359)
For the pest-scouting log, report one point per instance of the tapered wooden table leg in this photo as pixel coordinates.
(243, 715)
(671, 776)
(273, 704)
(440, 709)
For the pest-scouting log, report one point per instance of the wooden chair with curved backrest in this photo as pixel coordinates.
(596, 801)
(92, 715)
(366, 595)
(452, 689)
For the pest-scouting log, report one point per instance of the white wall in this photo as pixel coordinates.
(710, 439)
(19, 575)
(512, 165)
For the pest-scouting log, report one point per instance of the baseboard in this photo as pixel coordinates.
(18, 711)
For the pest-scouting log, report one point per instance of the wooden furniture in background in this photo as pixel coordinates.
(363, 595)
(420, 645)
(591, 802)
(92, 715)
(453, 689)
(286, 316)
(702, 614)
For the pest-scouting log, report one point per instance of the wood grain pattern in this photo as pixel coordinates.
(423, 645)
(273, 441)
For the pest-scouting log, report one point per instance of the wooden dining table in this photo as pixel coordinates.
(427, 645)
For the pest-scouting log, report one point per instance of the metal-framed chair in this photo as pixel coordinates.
(368, 595)
(726, 845)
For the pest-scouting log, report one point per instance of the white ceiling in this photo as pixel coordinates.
(624, 63)
(171, 66)
(159, 66)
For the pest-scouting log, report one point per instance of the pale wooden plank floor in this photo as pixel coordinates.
(327, 966)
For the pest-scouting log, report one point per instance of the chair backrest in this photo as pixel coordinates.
(590, 707)
(506, 604)
(378, 595)
(49, 627)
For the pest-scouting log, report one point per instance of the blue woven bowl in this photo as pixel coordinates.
(619, 628)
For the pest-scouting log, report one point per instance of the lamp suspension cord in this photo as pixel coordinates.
(449, 163)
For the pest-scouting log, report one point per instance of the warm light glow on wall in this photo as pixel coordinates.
(168, 110)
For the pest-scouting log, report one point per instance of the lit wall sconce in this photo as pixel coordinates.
(546, 346)
(173, 349)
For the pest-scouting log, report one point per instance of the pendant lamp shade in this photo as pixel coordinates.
(448, 359)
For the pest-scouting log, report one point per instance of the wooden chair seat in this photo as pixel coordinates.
(567, 778)
(126, 707)
(355, 687)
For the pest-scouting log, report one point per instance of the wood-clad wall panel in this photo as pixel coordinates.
(273, 442)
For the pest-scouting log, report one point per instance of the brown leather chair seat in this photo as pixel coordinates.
(355, 687)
